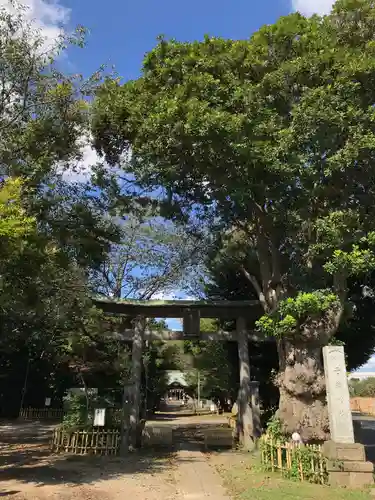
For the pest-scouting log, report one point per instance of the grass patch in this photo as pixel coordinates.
(245, 481)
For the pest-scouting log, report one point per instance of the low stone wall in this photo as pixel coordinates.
(157, 437)
(218, 438)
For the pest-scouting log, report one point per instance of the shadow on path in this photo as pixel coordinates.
(43, 469)
(25, 432)
(25, 457)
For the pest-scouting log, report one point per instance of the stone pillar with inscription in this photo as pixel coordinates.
(346, 463)
(340, 415)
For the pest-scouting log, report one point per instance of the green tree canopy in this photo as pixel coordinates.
(362, 388)
(52, 232)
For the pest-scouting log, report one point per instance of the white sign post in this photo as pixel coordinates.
(47, 402)
(99, 417)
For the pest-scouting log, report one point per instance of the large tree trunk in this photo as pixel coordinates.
(301, 381)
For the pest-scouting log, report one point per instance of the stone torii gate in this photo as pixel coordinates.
(248, 419)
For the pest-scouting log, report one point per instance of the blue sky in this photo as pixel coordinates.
(122, 31)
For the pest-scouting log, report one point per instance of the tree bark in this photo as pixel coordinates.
(302, 406)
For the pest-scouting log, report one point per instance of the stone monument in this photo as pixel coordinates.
(346, 465)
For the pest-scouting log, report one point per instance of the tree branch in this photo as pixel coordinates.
(252, 279)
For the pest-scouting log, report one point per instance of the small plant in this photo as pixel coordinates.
(80, 411)
(76, 412)
(300, 463)
(307, 465)
(274, 429)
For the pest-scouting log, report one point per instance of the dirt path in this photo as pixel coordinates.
(196, 478)
(29, 471)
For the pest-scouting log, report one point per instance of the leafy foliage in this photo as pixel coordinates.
(14, 222)
(42, 111)
(211, 362)
(294, 312)
(302, 463)
(76, 408)
(51, 231)
(274, 429)
(280, 113)
(362, 388)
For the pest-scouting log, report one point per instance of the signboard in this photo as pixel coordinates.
(99, 417)
(47, 402)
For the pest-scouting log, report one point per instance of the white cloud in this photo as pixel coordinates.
(310, 7)
(369, 366)
(48, 16)
(172, 295)
(82, 170)
(173, 323)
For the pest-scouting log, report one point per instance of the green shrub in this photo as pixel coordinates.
(76, 412)
(274, 429)
(309, 461)
(79, 413)
(295, 462)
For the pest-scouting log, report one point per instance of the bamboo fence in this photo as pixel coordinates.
(41, 414)
(296, 461)
(114, 414)
(91, 442)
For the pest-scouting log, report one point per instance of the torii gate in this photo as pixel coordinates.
(248, 420)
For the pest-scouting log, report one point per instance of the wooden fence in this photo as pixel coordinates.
(41, 414)
(92, 442)
(302, 462)
(112, 414)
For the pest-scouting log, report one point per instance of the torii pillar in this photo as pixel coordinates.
(136, 377)
(245, 427)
